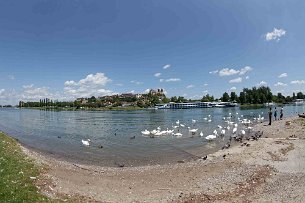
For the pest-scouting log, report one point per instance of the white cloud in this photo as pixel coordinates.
(161, 80)
(280, 84)
(283, 75)
(276, 34)
(92, 85)
(236, 80)
(245, 70)
(206, 84)
(227, 72)
(132, 91)
(11, 77)
(205, 91)
(136, 82)
(119, 84)
(247, 77)
(298, 82)
(167, 66)
(233, 89)
(146, 91)
(157, 75)
(173, 80)
(32, 93)
(230, 72)
(262, 83)
(190, 86)
(214, 72)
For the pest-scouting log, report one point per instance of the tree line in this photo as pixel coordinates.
(254, 95)
(259, 95)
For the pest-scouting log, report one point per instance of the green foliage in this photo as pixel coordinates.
(207, 98)
(225, 97)
(15, 172)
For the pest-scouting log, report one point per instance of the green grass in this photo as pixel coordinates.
(15, 172)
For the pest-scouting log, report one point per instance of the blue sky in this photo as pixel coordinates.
(68, 49)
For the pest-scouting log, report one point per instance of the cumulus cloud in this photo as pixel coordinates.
(146, 91)
(276, 34)
(190, 86)
(92, 85)
(167, 66)
(236, 80)
(283, 75)
(247, 77)
(157, 75)
(205, 84)
(245, 70)
(298, 82)
(262, 83)
(32, 93)
(233, 89)
(173, 80)
(280, 84)
(161, 80)
(230, 72)
(227, 72)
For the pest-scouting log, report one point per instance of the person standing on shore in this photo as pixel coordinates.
(275, 113)
(281, 113)
(270, 116)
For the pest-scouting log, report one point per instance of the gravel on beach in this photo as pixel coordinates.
(271, 169)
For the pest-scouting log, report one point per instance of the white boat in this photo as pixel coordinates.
(299, 102)
(268, 104)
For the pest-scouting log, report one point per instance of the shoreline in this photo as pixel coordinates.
(259, 172)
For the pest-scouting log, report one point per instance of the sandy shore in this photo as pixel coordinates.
(271, 169)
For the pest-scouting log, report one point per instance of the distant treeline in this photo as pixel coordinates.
(255, 95)
(259, 95)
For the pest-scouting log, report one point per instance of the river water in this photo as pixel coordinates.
(59, 133)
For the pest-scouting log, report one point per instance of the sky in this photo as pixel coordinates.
(69, 49)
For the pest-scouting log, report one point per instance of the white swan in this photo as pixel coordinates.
(243, 132)
(193, 130)
(86, 142)
(178, 134)
(201, 134)
(145, 132)
(234, 130)
(210, 137)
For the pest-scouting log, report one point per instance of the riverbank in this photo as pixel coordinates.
(268, 170)
(18, 174)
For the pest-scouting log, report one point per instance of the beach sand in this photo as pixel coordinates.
(271, 169)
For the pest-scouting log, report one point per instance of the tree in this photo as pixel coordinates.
(207, 98)
(233, 97)
(242, 97)
(225, 97)
(300, 95)
(174, 99)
